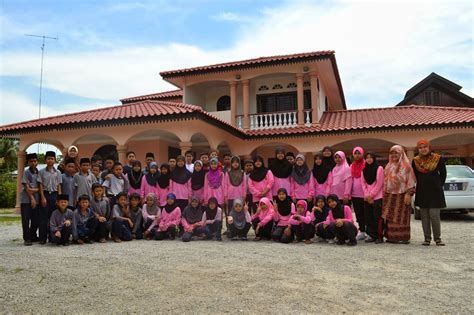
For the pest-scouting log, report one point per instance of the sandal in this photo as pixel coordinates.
(426, 243)
(440, 243)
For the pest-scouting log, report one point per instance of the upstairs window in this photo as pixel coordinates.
(281, 102)
(223, 103)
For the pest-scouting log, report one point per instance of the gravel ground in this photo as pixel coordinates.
(234, 277)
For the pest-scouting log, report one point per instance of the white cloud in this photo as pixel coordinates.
(231, 17)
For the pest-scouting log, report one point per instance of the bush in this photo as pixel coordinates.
(7, 192)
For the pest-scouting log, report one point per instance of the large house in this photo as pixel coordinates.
(249, 107)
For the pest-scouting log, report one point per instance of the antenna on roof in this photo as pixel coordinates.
(42, 57)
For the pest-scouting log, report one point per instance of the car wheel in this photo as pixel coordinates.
(417, 214)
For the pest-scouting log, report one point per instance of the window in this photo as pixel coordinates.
(291, 86)
(281, 102)
(263, 88)
(223, 103)
(277, 87)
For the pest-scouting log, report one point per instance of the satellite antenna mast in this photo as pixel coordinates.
(42, 57)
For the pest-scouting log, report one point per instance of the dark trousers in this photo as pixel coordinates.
(65, 235)
(147, 223)
(303, 231)
(278, 235)
(188, 236)
(122, 230)
(265, 231)
(253, 207)
(45, 214)
(358, 205)
(169, 233)
(87, 230)
(325, 233)
(29, 221)
(214, 229)
(347, 231)
(100, 231)
(234, 231)
(373, 219)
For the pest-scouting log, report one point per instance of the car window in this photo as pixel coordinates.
(459, 172)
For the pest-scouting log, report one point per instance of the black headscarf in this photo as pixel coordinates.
(164, 179)
(181, 174)
(321, 216)
(211, 213)
(170, 207)
(258, 173)
(338, 212)
(370, 170)
(193, 215)
(135, 178)
(281, 168)
(301, 174)
(328, 161)
(284, 207)
(320, 172)
(197, 178)
(152, 179)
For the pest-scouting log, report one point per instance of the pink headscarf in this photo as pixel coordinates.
(342, 171)
(358, 166)
(302, 203)
(399, 176)
(266, 202)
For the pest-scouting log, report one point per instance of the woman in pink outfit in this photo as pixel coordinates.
(260, 182)
(357, 194)
(262, 220)
(320, 175)
(281, 170)
(214, 183)
(134, 177)
(234, 183)
(284, 208)
(163, 183)
(150, 182)
(197, 180)
(302, 185)
(170, 217)
(340, 178)
(180, 183)
(340, 222)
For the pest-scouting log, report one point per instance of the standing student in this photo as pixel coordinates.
(284, 208)
(260, 182)
(214, 183)
(95, 170)
(84, 179)
(135, 177)
(68, 186)
(122, 225)
(340, 222)
(234, 183)
(302, 185)
(84, 222)
(372, 185)
(172, 163)
(213, 219)
(188, 156)
(340, 178)
(302, 223)
(149, 157)
(248, 168)
(116, 183)
(101, 207)
(135, 214)
(328, 158)
(108, 168)
(170, 217)
(163, 187)
(320, 175)
(430, 172)
(281, 170)
(290, 156)
(357, 193)
(239, 221)
(192, 220)
(60, 223)
(131, 157)
(197, 180)
(30, 205)
(262, 220)
(320, 212)
(49, 180)
(205, 161)
(226, 162)
(72, 153)
(150, 213)
(150, 181)
(180, 183)
(399, 187)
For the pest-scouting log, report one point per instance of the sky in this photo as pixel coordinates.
(108, 50)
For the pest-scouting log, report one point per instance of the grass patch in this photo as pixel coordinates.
(10, 220)
(18, 269)
(7, 211)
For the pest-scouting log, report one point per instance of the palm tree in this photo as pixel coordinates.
(8, 149)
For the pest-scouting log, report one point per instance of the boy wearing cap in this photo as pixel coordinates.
(149, 157)
(49, 180)
(84, 179)
(60, 223)
(68, 185)
(30, 206)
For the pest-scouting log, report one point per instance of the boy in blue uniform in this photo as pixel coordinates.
(60, 223)
(30, 200)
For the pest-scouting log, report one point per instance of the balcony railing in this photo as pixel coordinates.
(274, 120)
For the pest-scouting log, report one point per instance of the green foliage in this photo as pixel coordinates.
(7, 192)
(8, 159)
(454, 161)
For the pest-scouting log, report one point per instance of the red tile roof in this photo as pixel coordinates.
(170, 96)
(255, 62)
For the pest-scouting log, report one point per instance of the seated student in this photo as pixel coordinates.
(150, 212)
(213, 218)
(192, 220)
(284, 209)
(84, 179)
(115, 183)
(60, 223)
(134, 177)
(136, 215)
(320, 212)
(163, 187)
(197, 180)
(68, 185)
(30, 200)
(122, 225)
(302, 223)
(84, 222)
(340, 221)
(262, 220)
(101, 208)
(239, 221)
(149, 183)
(170, 217)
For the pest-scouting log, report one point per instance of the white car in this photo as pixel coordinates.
(458, 189)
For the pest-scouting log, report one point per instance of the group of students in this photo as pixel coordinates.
(287, 202)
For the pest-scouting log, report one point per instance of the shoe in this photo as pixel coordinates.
(440, 243)
(341, 242)
(42, 242)
(66, 244)
(362, 236)
(88, 241)
(117, 240)
(426, 243)
(244, 238)
(321, 240)
(235, 238)
(256, 239)
(219, 239)
(80, 242)
(352, 243)
(28, 243)
(331, 241)
(308, 242)
(379, 241)
(102, 240)
(369, 239)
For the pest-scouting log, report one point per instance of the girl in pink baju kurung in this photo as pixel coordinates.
(302, 222)
(163, 183)
(234, 183)
(214, 183)
(357, 194)
(150, 182)
(320, 175)
(180, 183)
(170, 217)
(284, 208)
(262, 220)
(301, 181)
(281, 170)
(134, 176)
(260, 182)
(197, 180)
(340, 178)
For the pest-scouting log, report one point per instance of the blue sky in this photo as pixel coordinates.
(108, 50)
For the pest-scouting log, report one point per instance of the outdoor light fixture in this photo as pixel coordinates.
(237, 76)
(305, 69)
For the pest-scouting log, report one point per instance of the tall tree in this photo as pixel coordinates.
(8, 150)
